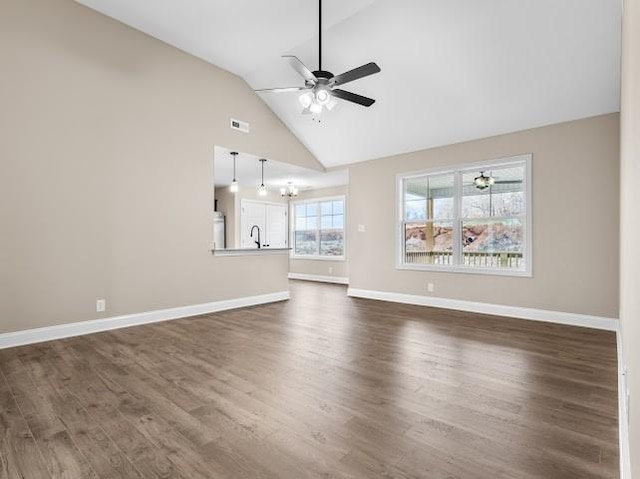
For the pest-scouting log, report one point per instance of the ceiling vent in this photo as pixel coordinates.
(242, 126)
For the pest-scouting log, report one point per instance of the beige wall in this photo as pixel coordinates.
(335, 269)
(630, 218)
(322, 267)
(575, 220)
(106, 150)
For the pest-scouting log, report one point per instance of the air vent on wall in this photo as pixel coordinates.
(242, 126)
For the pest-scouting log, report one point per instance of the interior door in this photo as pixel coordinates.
(252, 214)
(277, 235)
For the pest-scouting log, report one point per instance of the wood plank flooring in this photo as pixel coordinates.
(322, 386)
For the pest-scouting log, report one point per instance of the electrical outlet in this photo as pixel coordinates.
(330, 269)
(101, 305)
(429, 287)
(360, 228)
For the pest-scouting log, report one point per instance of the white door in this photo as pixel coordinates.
(277, 226)
(252, 214)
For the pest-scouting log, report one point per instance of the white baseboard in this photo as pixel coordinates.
(623, 415)
(30, 336)
(319, 278)
(597, 322)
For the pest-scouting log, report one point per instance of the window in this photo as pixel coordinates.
(468, 219)
(318, 228)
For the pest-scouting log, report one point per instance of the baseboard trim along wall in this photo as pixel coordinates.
(597, 322)
(319, 278)
(623, 415)
(30, 336)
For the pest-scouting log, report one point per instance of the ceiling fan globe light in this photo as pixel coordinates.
(323, 96)
(316, 108)
(306, 99)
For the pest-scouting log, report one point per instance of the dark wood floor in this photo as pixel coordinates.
(322, 386)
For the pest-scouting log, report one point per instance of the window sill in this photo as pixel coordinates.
(319, 258)
(463, 270)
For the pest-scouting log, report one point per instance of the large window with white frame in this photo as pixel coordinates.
(474, 218)
(318, 228)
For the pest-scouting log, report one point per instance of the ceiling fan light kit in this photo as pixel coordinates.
(319, 88)
(482, 182)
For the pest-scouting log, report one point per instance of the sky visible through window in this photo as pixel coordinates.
(319, 228)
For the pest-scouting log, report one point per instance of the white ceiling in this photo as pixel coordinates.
(276, 173)
(451, 70)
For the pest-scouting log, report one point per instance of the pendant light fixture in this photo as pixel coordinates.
(290, 190)
(262, 191)
(234, 184)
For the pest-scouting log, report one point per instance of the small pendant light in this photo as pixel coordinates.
(234, 184)
(262, 191)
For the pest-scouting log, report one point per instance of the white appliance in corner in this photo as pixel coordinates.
(271, 218)
(218, 230)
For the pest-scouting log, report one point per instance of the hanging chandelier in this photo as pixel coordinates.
(290, 190)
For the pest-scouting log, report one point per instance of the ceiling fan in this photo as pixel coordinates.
(320, 86)
(483, 181)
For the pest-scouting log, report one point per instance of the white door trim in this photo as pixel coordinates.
(623, 414)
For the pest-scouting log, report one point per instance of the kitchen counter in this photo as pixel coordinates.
(249, 251)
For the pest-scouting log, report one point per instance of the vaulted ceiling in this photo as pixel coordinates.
(451, 70)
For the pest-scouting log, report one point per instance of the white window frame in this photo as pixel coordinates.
(457, 171)
(292, 229)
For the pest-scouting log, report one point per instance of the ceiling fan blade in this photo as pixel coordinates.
(282, 90)
(508, 182)
(300, 67)
(353, 97)
(355, 74)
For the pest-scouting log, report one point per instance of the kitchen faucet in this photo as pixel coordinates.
(258, 241)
